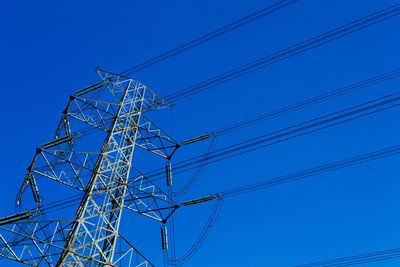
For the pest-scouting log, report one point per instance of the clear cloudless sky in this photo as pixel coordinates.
(49, 49)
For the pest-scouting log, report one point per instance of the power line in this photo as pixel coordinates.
(379, 154)
(383, 153)
(288, 133)
(189, 253)
(300, 105)
(358, 259)
(211, 35)
(198, 171)
(371, 156)
(298, 48)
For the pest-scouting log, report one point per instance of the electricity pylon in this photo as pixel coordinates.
(46, 231)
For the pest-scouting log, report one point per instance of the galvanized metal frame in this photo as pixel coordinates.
(106, 179)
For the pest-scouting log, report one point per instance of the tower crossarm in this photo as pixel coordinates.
(153, 139)
(144, 197)
(151, 100)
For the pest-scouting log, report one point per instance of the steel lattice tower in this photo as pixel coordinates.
(105, 181)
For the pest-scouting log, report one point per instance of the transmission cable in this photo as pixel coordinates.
(300, 105)
(201, 238)
(198, 171)
(382, 153)
(288, 133)
(291, 177)
(379, 154)
(211, 35)
(280, 112)
(358, 259)
(298, 48)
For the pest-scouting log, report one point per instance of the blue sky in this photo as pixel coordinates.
(49, 49)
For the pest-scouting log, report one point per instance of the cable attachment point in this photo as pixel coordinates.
(199, 138)
(201, 200)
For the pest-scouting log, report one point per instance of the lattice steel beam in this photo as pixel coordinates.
(111, 112)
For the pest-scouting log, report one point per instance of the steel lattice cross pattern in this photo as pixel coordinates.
(111, 112)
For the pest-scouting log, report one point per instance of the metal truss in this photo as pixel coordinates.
(45, 233)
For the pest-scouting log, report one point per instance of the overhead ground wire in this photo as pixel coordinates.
(211, 35)
(290, 51)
